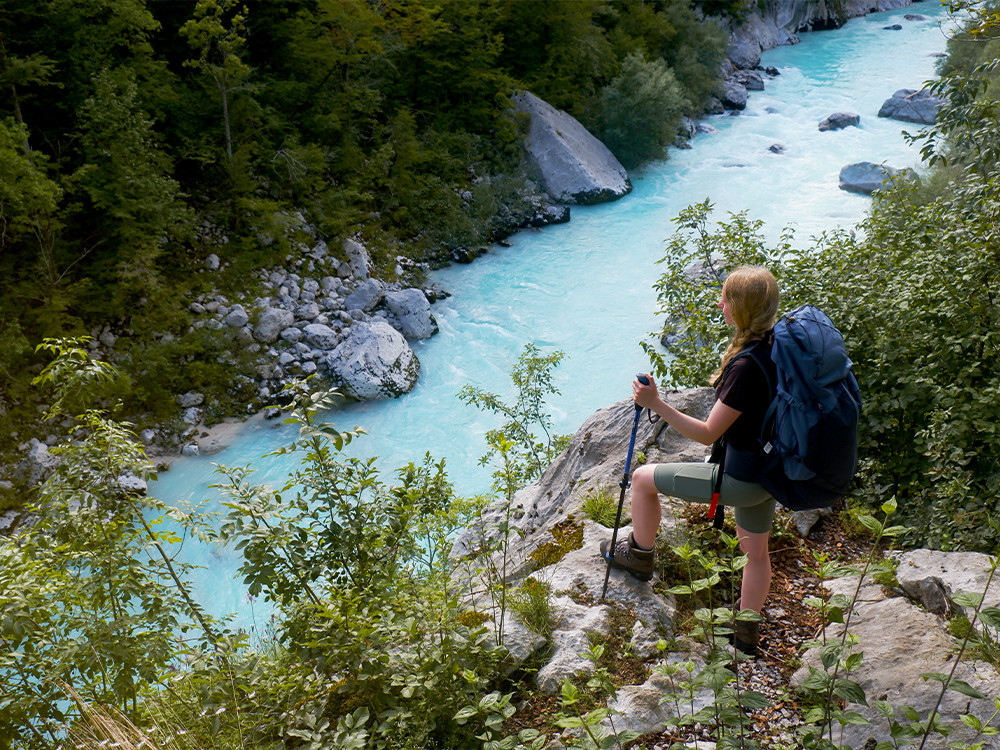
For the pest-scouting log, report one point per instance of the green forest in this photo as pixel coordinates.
(135, 133)
(137, 137)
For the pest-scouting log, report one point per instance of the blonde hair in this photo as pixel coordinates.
(751, 294)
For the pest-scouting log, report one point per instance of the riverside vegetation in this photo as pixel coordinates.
(370, 646)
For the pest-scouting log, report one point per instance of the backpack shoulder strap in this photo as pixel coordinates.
(756, 352)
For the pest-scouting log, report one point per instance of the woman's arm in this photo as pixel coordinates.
(719, 419)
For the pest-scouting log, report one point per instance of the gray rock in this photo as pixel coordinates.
(197, 308)
(919, 569)
(271, 323)
(321, 336)
(744, 53)
(549, 214)
(900, 643)
(573, 165)
(751, 79)
(212, 262)
(130, 483)
(358, 259)
(189, 399)
(292, 334)
(107, 338)
(373, 362)
(583, 570)
(192, 415)
(147, 436)
(839, 120)
(776, 148)
(595, 453)
(8, 520)
(411, 313)
(866, 177)
(643, 709)
(191, 449)
(804, 520)
(734, 95)
(237, 318)
(910, 105)
(575, 627)
(41, 463)
(307, 311)
(367, 296)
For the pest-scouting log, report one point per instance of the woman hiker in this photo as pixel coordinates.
(750, 304)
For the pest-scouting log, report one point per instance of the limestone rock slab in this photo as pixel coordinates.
(575, 167)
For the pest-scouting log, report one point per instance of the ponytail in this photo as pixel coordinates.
(751, 294)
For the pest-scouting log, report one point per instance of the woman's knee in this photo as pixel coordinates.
(754, 546)
(644, 480)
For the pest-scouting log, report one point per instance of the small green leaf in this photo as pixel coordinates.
(959, 686)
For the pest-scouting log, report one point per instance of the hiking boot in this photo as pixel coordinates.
(627, 556)
(746, 636)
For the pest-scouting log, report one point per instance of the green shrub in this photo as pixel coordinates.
(641, 110)
(600, 504)
(533, 605)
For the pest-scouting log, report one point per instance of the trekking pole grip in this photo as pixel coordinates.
(645, 381)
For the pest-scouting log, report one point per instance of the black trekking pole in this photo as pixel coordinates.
(624, 485)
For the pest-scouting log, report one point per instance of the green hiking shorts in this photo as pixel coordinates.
(753, 506)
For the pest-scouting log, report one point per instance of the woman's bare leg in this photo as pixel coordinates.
(757, 573)
(645, 507)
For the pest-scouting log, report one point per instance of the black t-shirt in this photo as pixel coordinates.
(744, 388)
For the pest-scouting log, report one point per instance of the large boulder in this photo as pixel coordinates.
(910, 105)
(573, 165)
(595, 457)
(373, 362)
(411, 313)
(866, 177)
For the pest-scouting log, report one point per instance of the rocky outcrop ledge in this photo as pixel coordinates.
(901, 636)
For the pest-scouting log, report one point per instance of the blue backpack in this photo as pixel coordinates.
(810, 434)
(808, 448)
